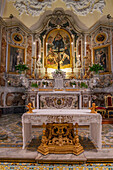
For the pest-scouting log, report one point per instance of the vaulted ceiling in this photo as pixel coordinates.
(30, 12)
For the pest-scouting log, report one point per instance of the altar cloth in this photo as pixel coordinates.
(80, 116)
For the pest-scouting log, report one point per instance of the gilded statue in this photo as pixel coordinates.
(93, 108)
(30, 108)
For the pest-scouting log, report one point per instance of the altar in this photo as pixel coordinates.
(59, 100)
(80, 116)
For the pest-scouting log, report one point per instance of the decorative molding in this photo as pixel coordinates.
(101, 38)
(80, 7)
(17, 38)
(2, 7)
(33, 7)
(83, 7)
(66, 19)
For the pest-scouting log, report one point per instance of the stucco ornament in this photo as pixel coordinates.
(80, 7)
(34, 7)
(83, 7)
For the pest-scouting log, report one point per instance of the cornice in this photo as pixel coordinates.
(16, 23)
(2, 22)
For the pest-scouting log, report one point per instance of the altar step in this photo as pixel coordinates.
(20, 155)
(61, 158)
(92, 156)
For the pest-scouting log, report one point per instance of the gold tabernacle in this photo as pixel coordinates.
(59, 138)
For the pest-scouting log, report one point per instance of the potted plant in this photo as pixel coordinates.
(83, 84)
(73, 84)
(21, 68)
(34, 85)
(96, 68)
(45, 83)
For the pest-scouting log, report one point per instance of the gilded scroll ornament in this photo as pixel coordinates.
(59, 138)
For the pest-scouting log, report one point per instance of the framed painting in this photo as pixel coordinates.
(102, 55)
(17, 38)
(101, 38)
(58, 49)
(16, 55)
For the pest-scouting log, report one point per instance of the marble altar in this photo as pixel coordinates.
(80, 116)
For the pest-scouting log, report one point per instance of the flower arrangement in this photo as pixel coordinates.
(72, 83)
(96, 68)
(45, 83)
(58, 71)
(21, 67)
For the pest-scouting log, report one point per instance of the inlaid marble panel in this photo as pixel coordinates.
(58, 101)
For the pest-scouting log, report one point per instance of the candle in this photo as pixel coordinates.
(89, 103)
(33, 104)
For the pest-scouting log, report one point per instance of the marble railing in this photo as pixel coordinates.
(67, 83)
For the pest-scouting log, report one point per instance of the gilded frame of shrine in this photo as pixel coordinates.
(102, 55)
(64, 34)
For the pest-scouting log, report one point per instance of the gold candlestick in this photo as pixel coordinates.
(33, 67)
(72, 72)
(85, 75)
(78, 149)
(79, 76)
(39, 74)
(46, 74)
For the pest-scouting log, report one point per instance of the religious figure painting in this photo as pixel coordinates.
(58, 49)
(16, 55)
(102, 56)
(101, 38)
(17, 38)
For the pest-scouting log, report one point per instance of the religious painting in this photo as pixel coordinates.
(16, 55)
(102, 56)
(58, 49)
(101, 38)
(17, 38)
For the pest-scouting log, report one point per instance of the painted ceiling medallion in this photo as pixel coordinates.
(83, 7)
(34, 7)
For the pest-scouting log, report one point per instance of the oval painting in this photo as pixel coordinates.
(101, 38)
(17, 38)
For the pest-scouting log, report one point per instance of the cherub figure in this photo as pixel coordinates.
(30, 108)
(93, 108)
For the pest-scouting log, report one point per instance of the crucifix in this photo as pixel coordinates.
(59, 58)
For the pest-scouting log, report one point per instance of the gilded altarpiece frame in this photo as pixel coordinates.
(102, 55)
(16, 55)
(58, 48)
